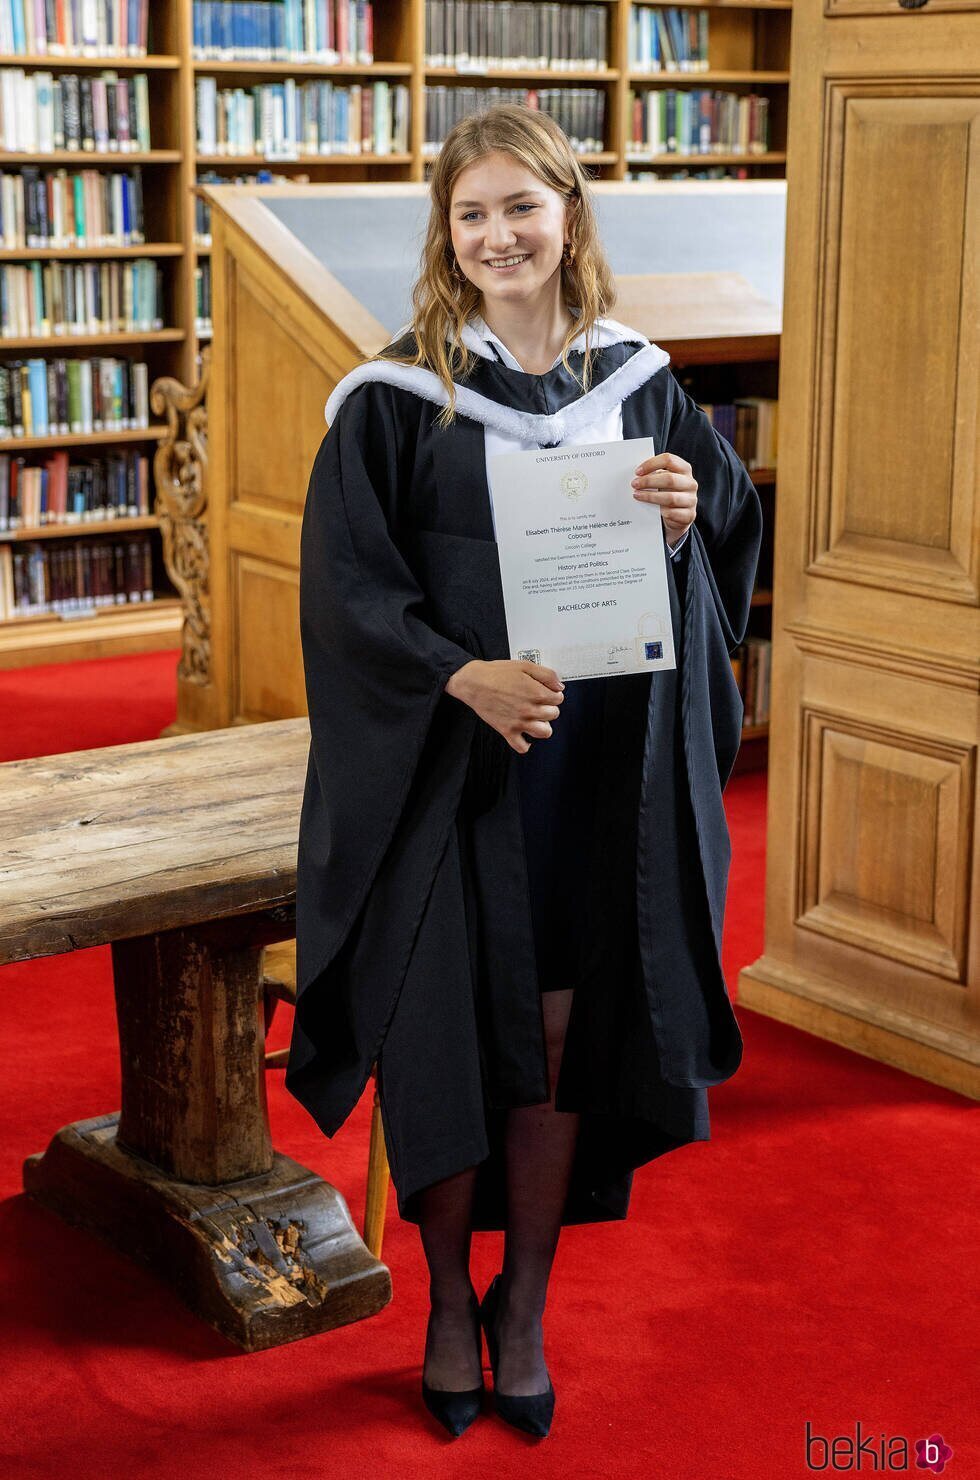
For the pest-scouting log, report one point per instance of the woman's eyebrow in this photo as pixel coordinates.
(460, 203)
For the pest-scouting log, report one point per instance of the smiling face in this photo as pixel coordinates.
(507, 228)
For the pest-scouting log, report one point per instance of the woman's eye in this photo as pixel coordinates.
(524, 205)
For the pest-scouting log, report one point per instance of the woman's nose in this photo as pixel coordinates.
(500, 234)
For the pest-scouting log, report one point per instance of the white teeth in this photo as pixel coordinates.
(507, 261)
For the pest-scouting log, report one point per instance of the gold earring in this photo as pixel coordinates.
(568, 255)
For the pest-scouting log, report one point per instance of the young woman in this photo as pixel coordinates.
(510, 891)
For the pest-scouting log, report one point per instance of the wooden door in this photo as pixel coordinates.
(873, 842)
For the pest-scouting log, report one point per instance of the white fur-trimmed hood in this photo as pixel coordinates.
(526, 425)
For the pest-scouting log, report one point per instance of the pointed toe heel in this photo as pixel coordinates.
(456, 1409)
(531, 1412)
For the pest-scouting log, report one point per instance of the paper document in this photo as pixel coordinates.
(582, 562)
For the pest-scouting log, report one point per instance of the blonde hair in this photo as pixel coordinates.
(443, 300)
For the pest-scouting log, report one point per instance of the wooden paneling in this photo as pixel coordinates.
(276, 357)
(886, 841)
(899, 506)
(269, 658)
(274, 411)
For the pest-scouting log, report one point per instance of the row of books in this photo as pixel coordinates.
(668, 39)
(104, 115)
(202, 209)
(580, 111)
(750, 424)
(42, 299)
(664, 174)
(202, 297)
(74, 27)
(60, 490)
(61, 397)
(73, 578)
(751, 664)
(325, 31)
(474, 35)
(672, 121)
(288, 119)
(71, 208)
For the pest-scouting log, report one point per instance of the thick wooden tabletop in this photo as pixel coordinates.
(101, 845)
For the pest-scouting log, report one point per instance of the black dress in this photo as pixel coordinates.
(557, 794)
(558, 789)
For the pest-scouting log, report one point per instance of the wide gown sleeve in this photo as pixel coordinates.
(728, 525)
(375, 670)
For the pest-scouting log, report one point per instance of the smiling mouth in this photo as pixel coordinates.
(501, 263)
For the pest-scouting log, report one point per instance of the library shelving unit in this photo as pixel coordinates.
(139, 625)
(748, 53)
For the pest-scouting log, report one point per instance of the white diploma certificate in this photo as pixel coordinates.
(583, 563)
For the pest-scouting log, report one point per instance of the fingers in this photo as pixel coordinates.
(664, 460)
(666, 480)
(668, 499)
(536, 703)
(536, 725)
(546, 676)
(536, 722)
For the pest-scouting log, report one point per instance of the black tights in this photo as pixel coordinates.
(540, 1147)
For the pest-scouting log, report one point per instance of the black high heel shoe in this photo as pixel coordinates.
(456, 1408)
(531, 1412)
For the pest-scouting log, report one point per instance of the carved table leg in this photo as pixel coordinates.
(184, 1177)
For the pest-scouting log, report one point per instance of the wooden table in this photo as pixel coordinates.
(181, 853)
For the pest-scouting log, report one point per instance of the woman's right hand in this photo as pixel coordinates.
(513, 696)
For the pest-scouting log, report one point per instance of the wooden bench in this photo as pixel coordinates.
(181, 853)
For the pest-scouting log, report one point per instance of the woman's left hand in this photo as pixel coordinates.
(669, 481)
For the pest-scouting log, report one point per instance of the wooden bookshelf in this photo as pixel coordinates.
(748, 51)
(91, 527)
(130, 626)
(88, 254)
(88, 158)
(49, 62)
(61, 342)
(82, 439)
(136, 627)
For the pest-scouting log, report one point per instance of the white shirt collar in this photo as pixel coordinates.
(486, 334)
(478, 336)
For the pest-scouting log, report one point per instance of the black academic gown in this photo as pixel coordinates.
(414, 936)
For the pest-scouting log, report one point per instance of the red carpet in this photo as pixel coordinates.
(814, 1264)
